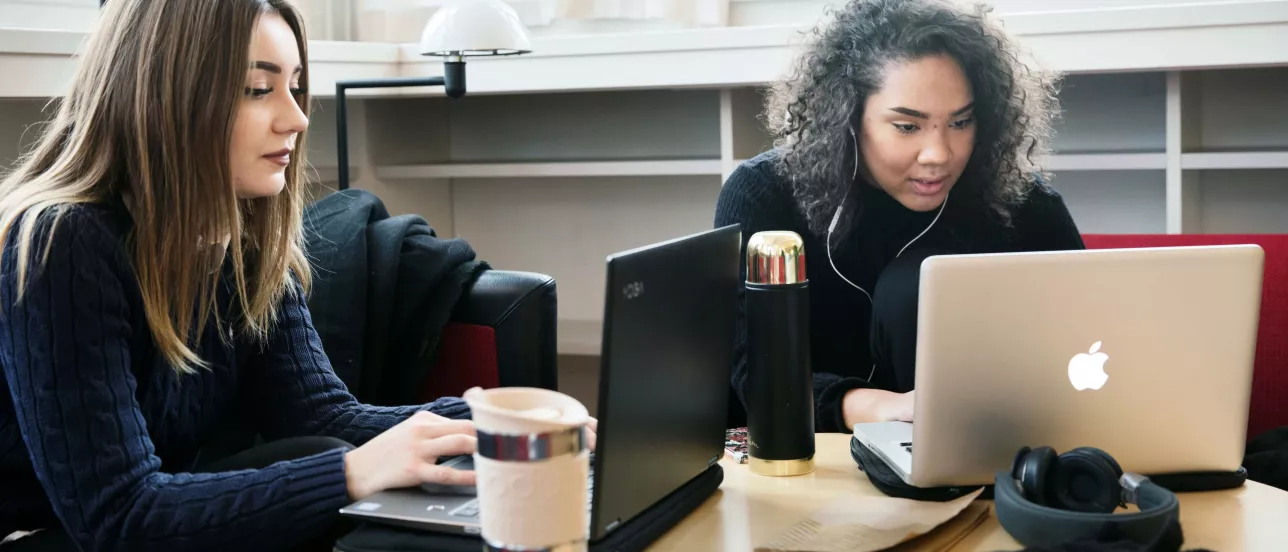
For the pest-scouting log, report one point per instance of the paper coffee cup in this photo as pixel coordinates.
(532, 468)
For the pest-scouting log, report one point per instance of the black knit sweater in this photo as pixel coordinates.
(97, 432)
(758, 199)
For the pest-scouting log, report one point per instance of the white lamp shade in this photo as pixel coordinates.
(475, 28)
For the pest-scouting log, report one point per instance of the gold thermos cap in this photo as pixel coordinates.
(776, 257)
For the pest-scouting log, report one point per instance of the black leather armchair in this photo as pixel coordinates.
(502, 334)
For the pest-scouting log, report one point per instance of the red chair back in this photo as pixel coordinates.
(467, 357)
(1269, 408)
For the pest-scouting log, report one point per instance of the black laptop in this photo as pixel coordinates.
(667, 349)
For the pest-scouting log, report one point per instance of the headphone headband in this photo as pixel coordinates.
(1033, 524)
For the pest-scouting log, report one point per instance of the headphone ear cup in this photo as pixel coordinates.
(1086, 480)
(1032, 468)
(1109, 460)
(1018, 461)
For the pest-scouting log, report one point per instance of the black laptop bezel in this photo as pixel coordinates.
(714, 255)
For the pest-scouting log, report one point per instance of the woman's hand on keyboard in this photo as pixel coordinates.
(876, 405)
(407, 454)
(899, 407)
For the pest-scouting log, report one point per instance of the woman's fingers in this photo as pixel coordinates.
(427, 415)
(592, 433)
(447, 445)
(434, 473)
(434, 430)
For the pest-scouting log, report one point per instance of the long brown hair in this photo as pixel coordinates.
(149, 116)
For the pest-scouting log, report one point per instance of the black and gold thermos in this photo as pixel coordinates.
(779, 390)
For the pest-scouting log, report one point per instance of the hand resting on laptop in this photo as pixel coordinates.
(407, 455)
(876, 405)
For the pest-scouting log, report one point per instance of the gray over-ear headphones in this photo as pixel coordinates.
(1048, 500)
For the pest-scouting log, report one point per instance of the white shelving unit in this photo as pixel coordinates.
(1110, 157)
(1173, 122)
(1230, 150)
(680, 167)
(1235, 160)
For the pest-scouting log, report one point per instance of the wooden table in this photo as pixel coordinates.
(749, 510)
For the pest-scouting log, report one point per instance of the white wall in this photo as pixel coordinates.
(68, 15)
(329, 19)
(761, 12)
(325, 19)
(402, 20)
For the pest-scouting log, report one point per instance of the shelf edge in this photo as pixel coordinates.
(698, 167)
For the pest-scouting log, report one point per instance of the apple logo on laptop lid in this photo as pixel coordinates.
(1087, 370)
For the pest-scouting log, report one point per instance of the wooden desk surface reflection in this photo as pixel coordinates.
(749, 510)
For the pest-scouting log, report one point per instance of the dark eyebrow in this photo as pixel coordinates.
(274, 68)
(920, 115)
(909, 112)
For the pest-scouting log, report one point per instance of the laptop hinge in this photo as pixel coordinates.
(613, 525)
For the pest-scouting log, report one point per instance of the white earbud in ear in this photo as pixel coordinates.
(831, 228)
(836, 218)
(855, 140)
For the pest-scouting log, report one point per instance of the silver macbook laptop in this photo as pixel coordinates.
(669, 315)
(1144, 353)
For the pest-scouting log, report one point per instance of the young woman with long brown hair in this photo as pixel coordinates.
(152, 286)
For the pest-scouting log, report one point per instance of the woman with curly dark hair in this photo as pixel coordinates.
(893, 107)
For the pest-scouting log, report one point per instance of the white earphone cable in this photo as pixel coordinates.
(923, 232)
(837, 217)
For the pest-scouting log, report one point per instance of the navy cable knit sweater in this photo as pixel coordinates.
(97, 431)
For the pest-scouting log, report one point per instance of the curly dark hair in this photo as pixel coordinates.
(811, 111)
